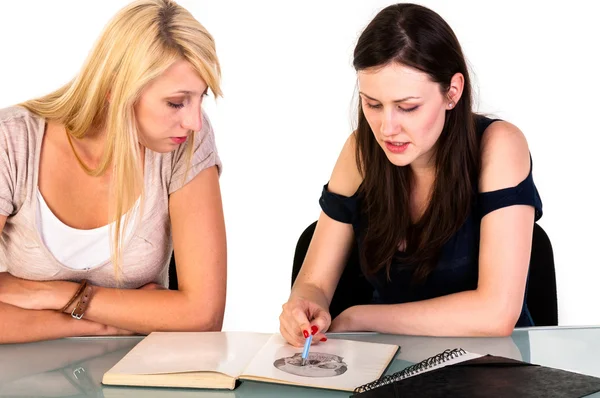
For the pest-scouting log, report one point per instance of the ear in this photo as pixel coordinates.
(455, 90)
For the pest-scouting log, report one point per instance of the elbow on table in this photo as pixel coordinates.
(202, 316)
(5, 338)
(500, 329)
(190, 324)
(500, 322)
(212, 324)
(207, 322)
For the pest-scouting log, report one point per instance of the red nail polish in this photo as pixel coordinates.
(324, 339)
(314, 329)
(305, 333)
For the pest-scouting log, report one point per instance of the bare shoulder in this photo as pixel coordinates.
(505, 158)
(345, 178)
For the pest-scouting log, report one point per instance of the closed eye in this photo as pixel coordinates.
(414, 108)
(401, 109)
(175, 105)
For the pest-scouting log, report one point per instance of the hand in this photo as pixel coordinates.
(107, 330)
(343, 322)
(152, 286)
(83, 327)
(301, 317)
(17, 292)
(34, 295)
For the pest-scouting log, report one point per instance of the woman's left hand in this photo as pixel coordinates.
(152, 286)
(344, 321)
(34, 295)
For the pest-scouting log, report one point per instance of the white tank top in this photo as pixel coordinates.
(76, 248)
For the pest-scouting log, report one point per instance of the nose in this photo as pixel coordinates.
(390, 125)
(192, 119)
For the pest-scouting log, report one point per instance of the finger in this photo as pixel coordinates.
(320, 338)
(292, 338)
(294, 330)
(302, 323)
(286, 325)
(289, 322)
(320, 323)
(109, 331)
(152, 286)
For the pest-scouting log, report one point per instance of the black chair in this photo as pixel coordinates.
(354, 289)
(541, 289)
(173, 285)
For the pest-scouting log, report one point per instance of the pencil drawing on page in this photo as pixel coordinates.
(317, 365)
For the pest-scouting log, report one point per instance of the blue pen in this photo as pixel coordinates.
(306, 348)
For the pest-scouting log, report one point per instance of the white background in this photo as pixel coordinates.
(288, 105)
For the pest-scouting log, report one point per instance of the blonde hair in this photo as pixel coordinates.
(141, 41)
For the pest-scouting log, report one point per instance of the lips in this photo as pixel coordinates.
(396, 146)
(179, 140)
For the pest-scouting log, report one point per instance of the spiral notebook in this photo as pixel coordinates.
(458, 373)
(448, 357)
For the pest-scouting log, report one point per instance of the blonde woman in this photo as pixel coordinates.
(102, 179)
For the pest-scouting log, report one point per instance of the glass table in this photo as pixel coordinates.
(73, 367)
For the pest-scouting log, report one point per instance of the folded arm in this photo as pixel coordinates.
(200, 247)
(20, 325)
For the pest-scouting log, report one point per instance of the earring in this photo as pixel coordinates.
(450, 105)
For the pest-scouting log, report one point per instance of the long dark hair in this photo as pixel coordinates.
(417, 37)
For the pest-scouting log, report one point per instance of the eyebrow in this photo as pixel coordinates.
(188, 92)
(395, 101)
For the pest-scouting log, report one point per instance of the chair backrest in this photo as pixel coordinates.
(173, 284)
(541, 287)
(354, 289)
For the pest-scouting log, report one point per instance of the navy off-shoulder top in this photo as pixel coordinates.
(457, 267)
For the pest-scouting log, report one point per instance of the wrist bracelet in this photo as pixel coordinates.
(80, 289)
(83, 303)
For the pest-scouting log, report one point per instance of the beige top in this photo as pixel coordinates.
(146, 253)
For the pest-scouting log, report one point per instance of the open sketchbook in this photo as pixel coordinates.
(218, 359)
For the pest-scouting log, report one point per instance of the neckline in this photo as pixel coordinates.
(42, 202)
(42, 124)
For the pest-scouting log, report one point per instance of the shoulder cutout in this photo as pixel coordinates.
(505, 160)
(345, 178)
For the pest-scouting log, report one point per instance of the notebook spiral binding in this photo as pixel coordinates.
(413, 370)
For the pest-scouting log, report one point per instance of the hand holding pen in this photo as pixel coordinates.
(302, 319)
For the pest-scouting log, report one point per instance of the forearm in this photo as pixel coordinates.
(137, 310)
(466, 313)
(20, 326)
(145, 311)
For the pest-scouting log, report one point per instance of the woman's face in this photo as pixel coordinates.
(317, 365)
(405, 110)
(169, 108)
